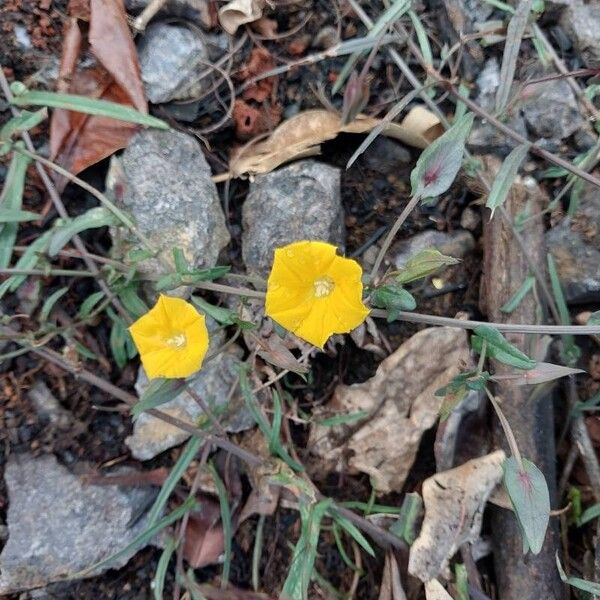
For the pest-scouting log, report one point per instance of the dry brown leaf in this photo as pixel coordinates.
(240, 12)
(303, 134)
(454, 502)
(434, 590)
(401, 397)
(204, 539)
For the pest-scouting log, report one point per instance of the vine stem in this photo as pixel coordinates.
(510, 436)
(48, 273)
(389, 238)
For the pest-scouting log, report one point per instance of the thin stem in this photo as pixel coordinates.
(48, 272)
(510, 436)
(392, 234)
(227, 289)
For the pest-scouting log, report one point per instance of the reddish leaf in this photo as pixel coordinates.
(204, 540)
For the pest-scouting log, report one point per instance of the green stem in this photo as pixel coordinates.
(47, 272)
(508, 432)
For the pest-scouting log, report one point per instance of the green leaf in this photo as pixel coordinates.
(344, 419)
(220, 314)
(440, 162)
(158, 583)
(305, 551)
(394, 298)
(24, 122)
(542, 373)
(11, 199)
(594, 318)
(159, 391)
(91, 219)
(499, 348)
(88, 305)
(529, 496)
(144, 537)
(577, 582)
(589, 514)
(51, 302)
(518, 296)
(225, 521)
(505, 177)
(352, 531)
(17, 216)
(410, 514)
(132, 302)
(181, 264)
(462, 582)
(121, 344)
(90, 106)
(424, 263)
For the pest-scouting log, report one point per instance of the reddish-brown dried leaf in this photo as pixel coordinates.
(112, 44)
(204, 540)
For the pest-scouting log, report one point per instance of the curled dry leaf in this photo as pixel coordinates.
(303, 134)
(454, 502)
(240, 12)
(403, 406)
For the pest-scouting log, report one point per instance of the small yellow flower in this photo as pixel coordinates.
(315, 293)
(172, 338)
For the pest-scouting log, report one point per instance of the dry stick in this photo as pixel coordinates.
(60, 207)
(139, 24)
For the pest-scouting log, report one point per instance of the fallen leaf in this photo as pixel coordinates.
(303, 134)
(454, 502)
(434, 590)
(391, 585)
(240, 12)
(403, 406)
(77, 140)
(204, 540)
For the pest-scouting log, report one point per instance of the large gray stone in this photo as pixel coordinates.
(58, 526)
(214, 383)
(163, 180)
(550, 110)
(301, 201)
(582, 23)
(172, 57)
(575, 245)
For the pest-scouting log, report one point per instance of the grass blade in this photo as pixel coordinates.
(505, 177)
(518, 296)
(51, 302)
(90, 106)
(158, 583)
(226, 521)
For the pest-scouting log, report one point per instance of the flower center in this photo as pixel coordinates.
(178, 341)
(323, 286)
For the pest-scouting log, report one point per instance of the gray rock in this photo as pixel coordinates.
(163, 180)
(301, 201)
(59, 527)
(47, 406)
(575, 245)
(550, 110)
(386, 156)
(214, 383)
(478, 11)
(456, 243)
(171, 59)
(582, 24)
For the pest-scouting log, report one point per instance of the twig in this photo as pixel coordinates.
(139, 24)
(48, 272)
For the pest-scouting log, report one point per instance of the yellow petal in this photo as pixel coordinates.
(171, 338)
(313, 292)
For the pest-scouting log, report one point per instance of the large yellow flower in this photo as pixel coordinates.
(172, 338)
(314, 292)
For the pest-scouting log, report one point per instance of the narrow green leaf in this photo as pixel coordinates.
(225, 521)
(88, 305)
(505, 177)
(51, 302)
(146, 535)
(499, 348)
(92, 219)
(24, 122)
(121, 342)
(158, 392)
(11, 199)
(132, 302)
(518, 296)
(461, 108)
(17, 216)
(394, 298)
(440, 162)
(462, 582)
(158, 583)
(410, 513)
(183, 462)
(529, 496)
(220, 314)
(589, 514)
(577, 582)
(305, 551)
(90, 106)
(353, 531)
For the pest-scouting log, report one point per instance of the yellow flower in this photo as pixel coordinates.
(315, 293)
(172, 338)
